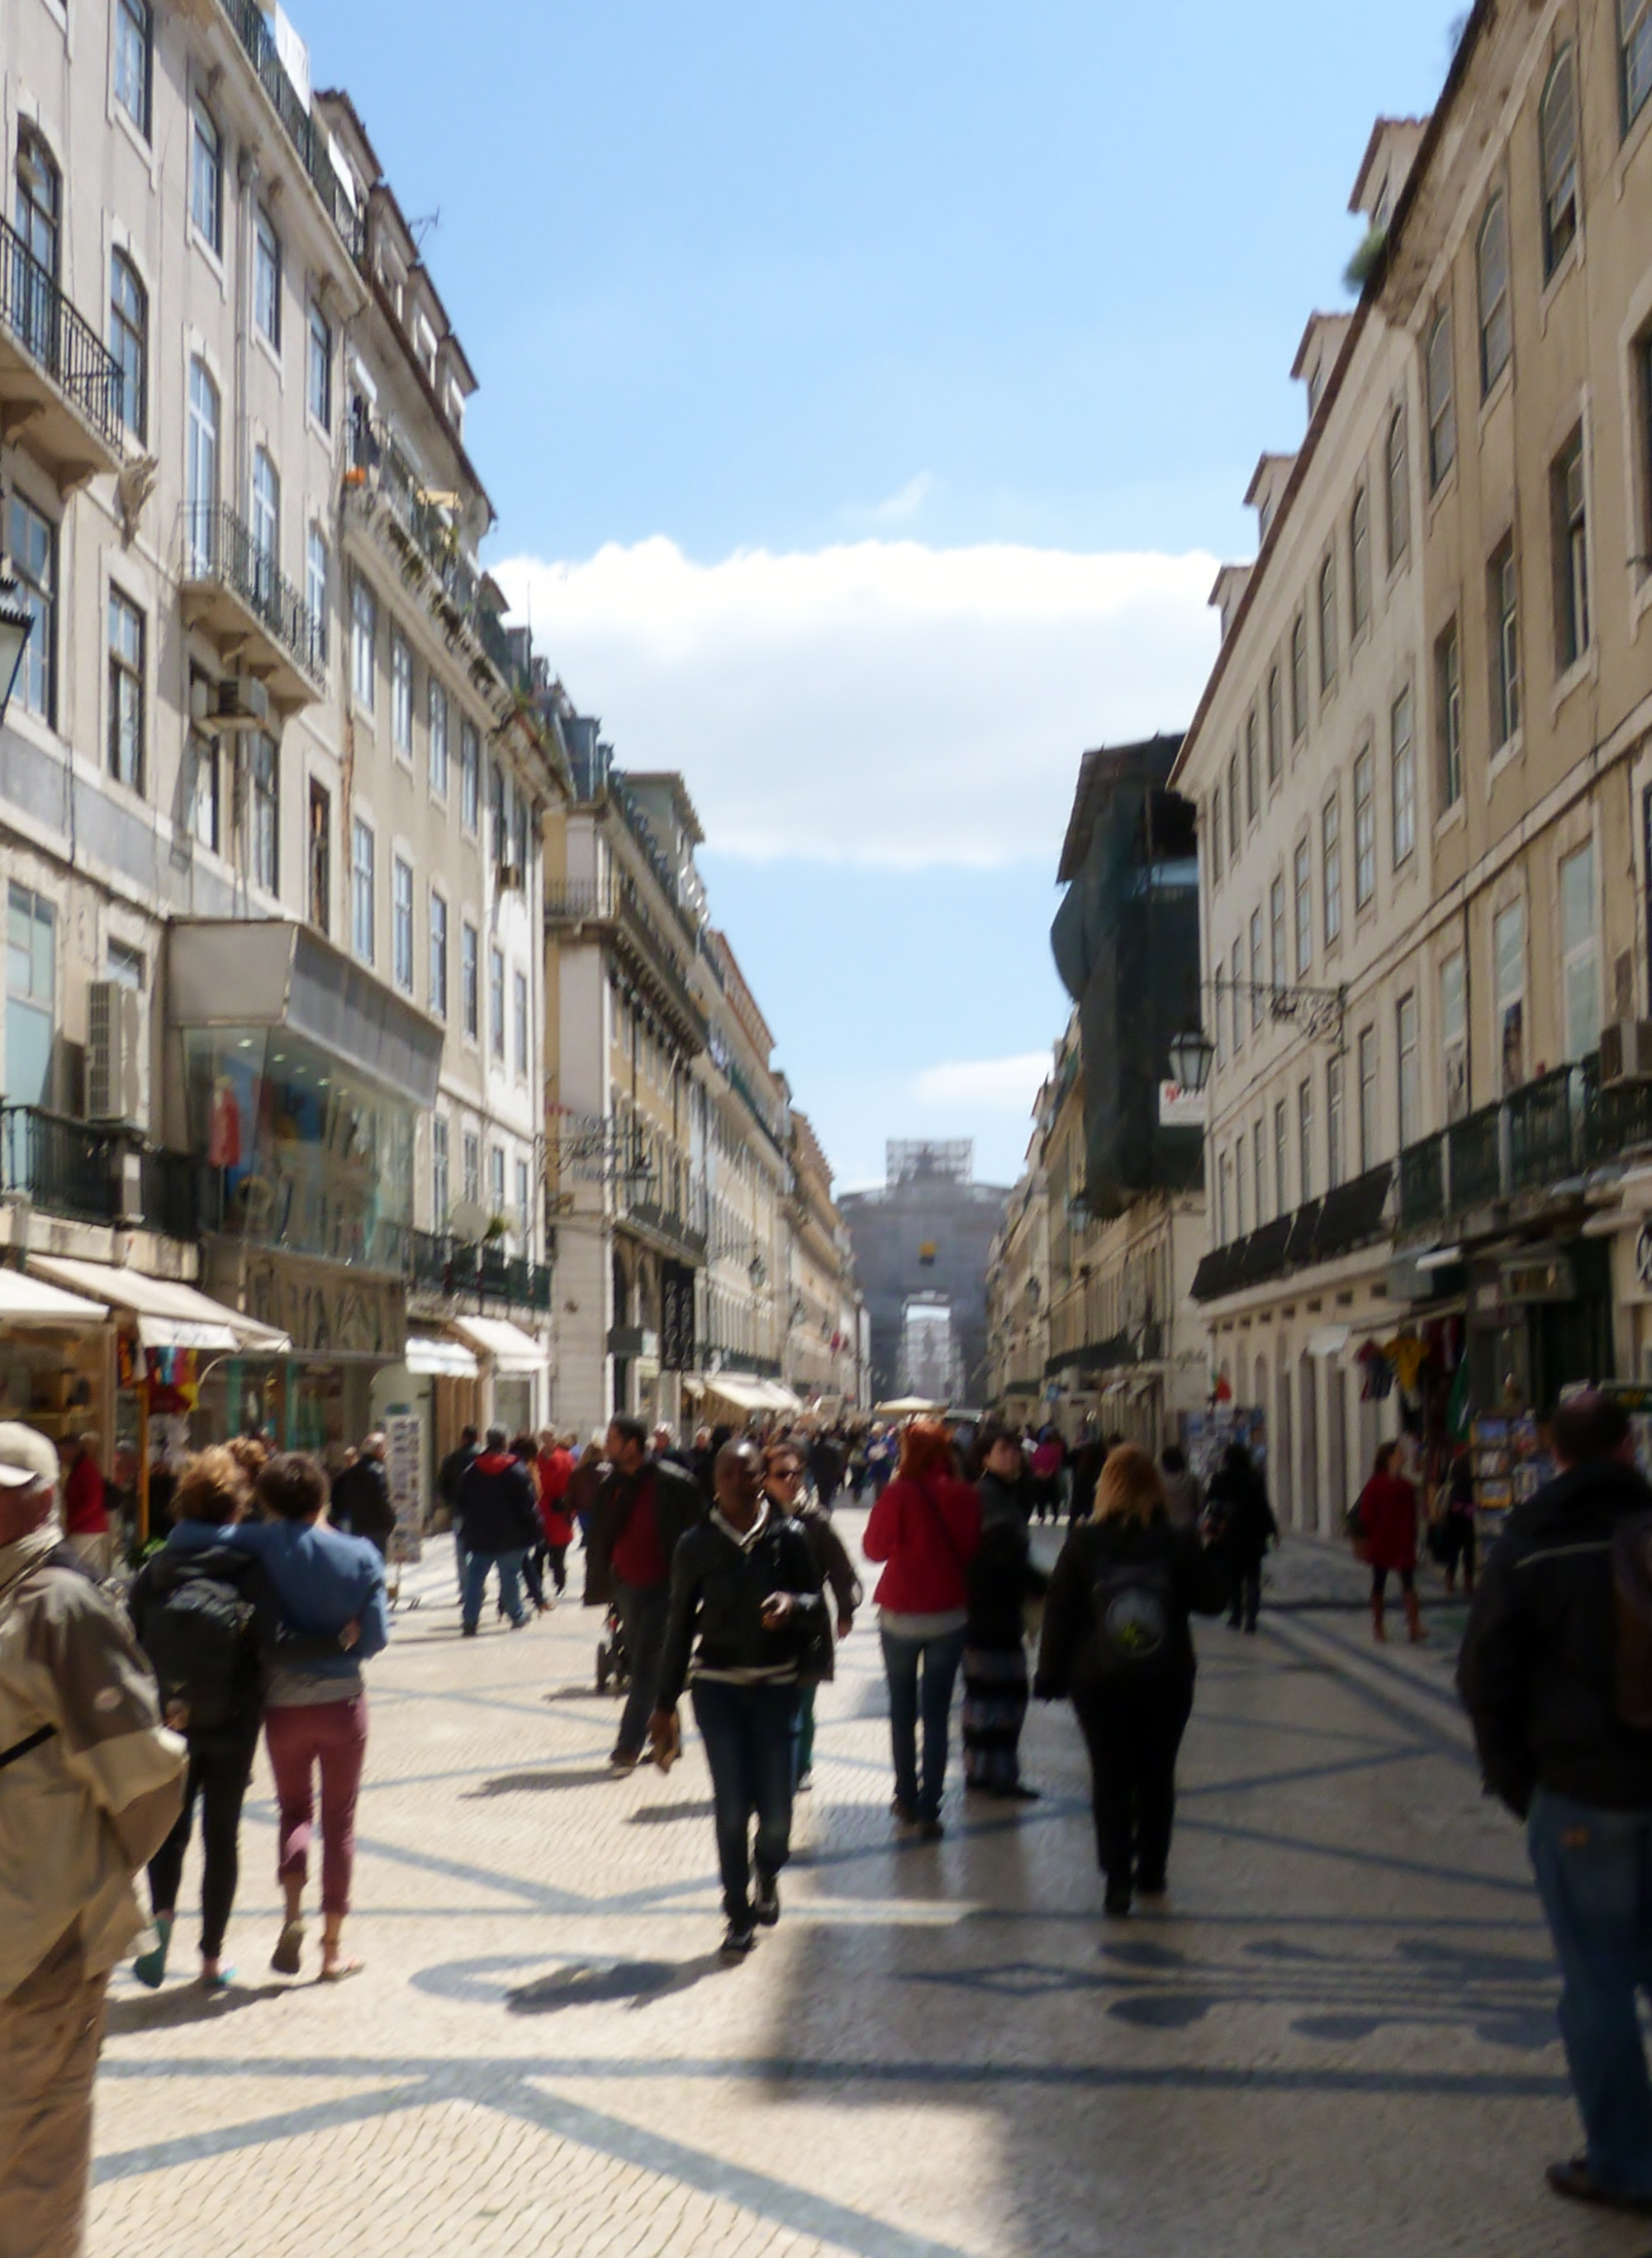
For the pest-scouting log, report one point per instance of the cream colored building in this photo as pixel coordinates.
(1019, 1293)
(823, 1328)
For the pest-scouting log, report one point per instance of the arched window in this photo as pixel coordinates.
(1397, 483)
(201, 469)
(1491, 265)
(38, 215)
(1327, 623)
(1557, 148)
(129, 342)
(1442, 408)
(1636, 37)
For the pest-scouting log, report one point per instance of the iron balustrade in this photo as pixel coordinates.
(1546, 1129)
(574, 901)
(51, 332)
(219, 546)
(1422, 1183)
(308, 138)
(64, 1167)
(1622, 1118)
(1474, 1150)
(476, 1271)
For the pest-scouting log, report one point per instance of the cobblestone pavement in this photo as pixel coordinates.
(1338, 2037)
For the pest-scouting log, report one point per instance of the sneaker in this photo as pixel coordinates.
(738, 1940)
(1116, 1906)
(623, 1759)
(766, 1911)
(469, 1631)
(805, 1781)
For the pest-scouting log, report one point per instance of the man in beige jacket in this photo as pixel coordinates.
(90, 1784)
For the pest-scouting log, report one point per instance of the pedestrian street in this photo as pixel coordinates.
(1338, 2035)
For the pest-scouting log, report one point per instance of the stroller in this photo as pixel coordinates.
(614, 1665)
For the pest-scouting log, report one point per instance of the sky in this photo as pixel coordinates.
(867, 394)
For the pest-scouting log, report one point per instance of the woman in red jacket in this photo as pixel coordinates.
(1388, 1511)
(926, 1529)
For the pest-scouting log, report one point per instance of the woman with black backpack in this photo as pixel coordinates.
(1117, 1641)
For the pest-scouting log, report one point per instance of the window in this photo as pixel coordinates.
(129, 342)
(401, 924)
(317, 576)
(400, 693)
(518, 1020)
(441, 1187)
(206, 179)
(1305, 1139)
(1567, 511)
(125, 966)
(1579, 955)
(39, 208)
(524, 1203)
(206, 805)
(1276, 932)
(1359, 563)
(266, 279)
(1330, 832)
(1448, 692)
(264, 770)
(1333, 1124)
(1410, 1071)
(1328, 623)
(1258, 1162)
(496, 1001)
(1503, 612)
(1397, 488)
(1213, 829)
(1233, 805)
(1404, 778)
(1635, 19)
(439, 955)
(1299, 679)
(1442, 409)
(1454, 1036)
(266, 525)
(1252, 800)
(1281, 1195)
(362, 914)
(1557, 150)
(200, 471)
(1256, 968)
(30, 996)
(134, 66)
(34, 562)
(1237, 987)
(1239, 1184)
(318, 369)
(469, 775)
(499, 839)
(126, 691)
(363, 641)
(1223, 1179)
(1508, 969)
(1368, 1052)
(320, 859)
(1491, 271)
(473, 1150)
(1303, 896)
(496, 1180)
(1364, 831)
(438, 738)
(469, 1000)
(1275, 726)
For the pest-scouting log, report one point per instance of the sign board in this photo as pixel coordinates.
(404, 1465)
(1180, 1108)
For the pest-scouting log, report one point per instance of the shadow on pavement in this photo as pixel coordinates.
(659, 1814)
(537, 1783)
(184, 2004)
(595, 1983)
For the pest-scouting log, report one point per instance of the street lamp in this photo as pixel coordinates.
(16, 620)
(1317, 1014)
(1190, 1056)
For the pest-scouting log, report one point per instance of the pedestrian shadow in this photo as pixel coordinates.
(183, 2004)
(595, 1983)
(535, 1783)
(659, 1814)
(584, 1692)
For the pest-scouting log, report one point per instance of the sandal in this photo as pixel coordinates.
(340, 1970)
(288, 1949)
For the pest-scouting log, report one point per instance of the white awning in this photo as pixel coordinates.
(1328, 1340)
(26, 1301)
(442, 1360)
(744, 1394)
(511, 1350)
(781, 1397)
(169, 1315)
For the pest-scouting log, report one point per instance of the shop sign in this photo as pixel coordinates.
(326, 1312)
(404, 1433)
(1180, 1108)
(1544, 1280)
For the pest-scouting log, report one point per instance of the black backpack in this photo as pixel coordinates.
(1135, 1610)
(197, 1636)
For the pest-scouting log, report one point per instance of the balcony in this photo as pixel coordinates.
(429, 546)
(59, 386)
(668, 1225)
(1474, 1159)
(233, 591)
(86, 1174)
(1423, 1184)
(1349, 1217)
(476, 1272)
(310, 140)
(1544, 1135)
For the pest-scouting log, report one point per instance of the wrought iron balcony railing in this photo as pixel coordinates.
(51, 330)
(308, 138)
(219, 547)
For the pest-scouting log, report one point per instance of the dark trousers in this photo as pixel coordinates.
(531, 1576)
(219, 1770)
(1133, 1734)
(749, 1732)
(643, 1611)
(1247, 1592)
(921, 1674)
(556, 1556)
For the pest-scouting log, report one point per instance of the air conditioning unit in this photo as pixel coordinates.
(1626, 1050)
(114, 1052)
(238, 701)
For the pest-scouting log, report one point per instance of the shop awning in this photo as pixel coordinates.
(511, 1350)
(26, 1301)
(1328, 1340)
(440, 1360)
(783, 1398)
(169, 1315)
(744, 1394)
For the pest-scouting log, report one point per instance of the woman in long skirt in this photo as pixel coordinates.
(1001, 1579)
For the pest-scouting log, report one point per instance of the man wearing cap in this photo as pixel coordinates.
(90, 1784)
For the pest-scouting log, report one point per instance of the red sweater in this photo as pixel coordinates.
(926, 1532)
(84, 1514)
(554, 1471)
(1388, 1514)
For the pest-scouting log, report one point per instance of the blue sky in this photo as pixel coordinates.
(867, 393)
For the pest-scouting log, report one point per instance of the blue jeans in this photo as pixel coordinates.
(476, 1567)
(1594, 1875)
(749, 1733)
(643, 1611)
(938, 1658)
(460, 1556)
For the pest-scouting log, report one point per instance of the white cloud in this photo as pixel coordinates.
(905, 502)
(1007, 1085)
(877, 701)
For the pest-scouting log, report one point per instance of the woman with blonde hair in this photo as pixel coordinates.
(1117, 1642)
